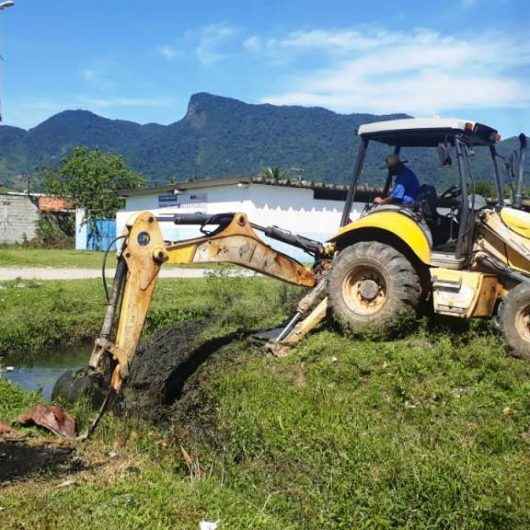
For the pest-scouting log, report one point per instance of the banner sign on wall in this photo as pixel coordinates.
(194, 201)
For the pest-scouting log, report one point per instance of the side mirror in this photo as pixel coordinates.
(444, 155)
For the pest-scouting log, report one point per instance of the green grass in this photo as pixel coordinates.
(43, 317)
(58, 258)
(13, 400)
(17, 256)
(431, 431)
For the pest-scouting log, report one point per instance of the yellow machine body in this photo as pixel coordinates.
(239, 244)
(505, 240)
(395, 224)
(516, 220)
(464, 294)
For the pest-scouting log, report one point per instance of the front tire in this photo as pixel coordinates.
(515, 321)
(372, 288)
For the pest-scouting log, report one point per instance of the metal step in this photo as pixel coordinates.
(447, 261)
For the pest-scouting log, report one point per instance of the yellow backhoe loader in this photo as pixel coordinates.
(457, 253)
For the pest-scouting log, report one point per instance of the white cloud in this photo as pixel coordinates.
(423, 72)
(212, 41)
(167, 51)
(335, 41)
(253, 43)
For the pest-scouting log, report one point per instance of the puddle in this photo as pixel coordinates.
(42, 375)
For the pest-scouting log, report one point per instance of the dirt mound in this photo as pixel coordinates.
(168, 378)
(164, 365)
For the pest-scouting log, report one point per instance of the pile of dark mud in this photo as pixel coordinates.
(20, 460)
(171, 368)
(168, 382)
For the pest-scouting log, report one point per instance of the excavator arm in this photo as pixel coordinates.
(143, 254)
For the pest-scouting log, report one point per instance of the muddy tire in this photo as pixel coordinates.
(372, 289)
(515, 321)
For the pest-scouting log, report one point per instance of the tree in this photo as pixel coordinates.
(486, 188)
(91, 179)
(274, 173)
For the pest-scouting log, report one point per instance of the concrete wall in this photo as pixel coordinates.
(294, 209)
(81, 230)
(18, 218)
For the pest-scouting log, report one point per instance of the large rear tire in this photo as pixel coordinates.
(372, 289)
(515, 321)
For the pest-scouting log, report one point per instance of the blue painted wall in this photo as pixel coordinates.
(100, 236)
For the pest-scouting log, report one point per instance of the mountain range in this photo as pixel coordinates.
(217, 137)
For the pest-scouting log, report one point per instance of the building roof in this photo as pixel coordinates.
(334, 191)
(426, 132)
(45, 203)
(20, 193)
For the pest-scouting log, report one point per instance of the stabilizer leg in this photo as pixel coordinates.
(299, 331)
(302, 322)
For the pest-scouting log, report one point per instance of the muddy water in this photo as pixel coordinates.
(41, 375)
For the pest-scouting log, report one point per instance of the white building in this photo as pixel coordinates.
(310, 209)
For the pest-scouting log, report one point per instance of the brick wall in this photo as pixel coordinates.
(18, 218)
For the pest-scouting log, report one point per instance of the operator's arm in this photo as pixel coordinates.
(385, 200)
(396, 196)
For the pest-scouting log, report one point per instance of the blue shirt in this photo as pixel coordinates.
(406, 187)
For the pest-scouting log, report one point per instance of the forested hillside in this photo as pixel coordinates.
(218, 136)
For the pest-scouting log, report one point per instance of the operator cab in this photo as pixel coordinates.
(449, 217)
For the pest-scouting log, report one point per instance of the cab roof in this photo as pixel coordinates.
(426, 132)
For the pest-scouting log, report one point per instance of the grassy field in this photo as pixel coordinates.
(428, 431)
(63, 258)
(47, 316)
(13, 256)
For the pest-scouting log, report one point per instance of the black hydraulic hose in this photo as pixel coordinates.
(223, 219)
(104, 265)
(499, 268)
(198, 218)
(310, 246)
(114, 298)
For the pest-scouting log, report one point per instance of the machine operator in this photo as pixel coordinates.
(406, 185)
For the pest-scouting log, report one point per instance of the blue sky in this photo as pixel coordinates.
(142, 60)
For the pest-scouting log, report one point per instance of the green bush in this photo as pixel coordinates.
(55, 231)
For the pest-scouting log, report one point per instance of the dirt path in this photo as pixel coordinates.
(49, 273)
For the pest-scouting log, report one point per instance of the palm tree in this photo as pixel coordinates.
(274, 173)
